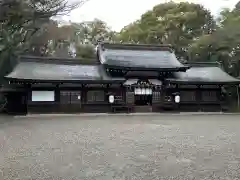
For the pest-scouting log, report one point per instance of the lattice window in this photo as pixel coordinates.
(75, 97)
(95, 96)
(70, 97)
(65, 97)
(156, 97)
(188, 96)
(209, 96)
(130, 97)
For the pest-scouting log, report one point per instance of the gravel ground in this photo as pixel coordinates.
(120, 147)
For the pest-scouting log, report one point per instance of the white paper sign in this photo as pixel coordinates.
(111, 99)
(177, 99)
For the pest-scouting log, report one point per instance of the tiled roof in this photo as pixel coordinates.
(138, 56)
(204, 75)
(27, 70)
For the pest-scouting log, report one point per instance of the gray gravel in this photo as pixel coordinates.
(120, 147)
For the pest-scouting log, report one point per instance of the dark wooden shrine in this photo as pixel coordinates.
(135, 78)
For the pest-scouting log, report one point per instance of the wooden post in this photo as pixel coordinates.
(199, 98)
(57, 98)
(238, 96)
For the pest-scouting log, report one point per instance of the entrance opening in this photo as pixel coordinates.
(143, 100)
(16, 103)
(143, 96)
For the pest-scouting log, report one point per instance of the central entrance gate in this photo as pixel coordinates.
(141, 94)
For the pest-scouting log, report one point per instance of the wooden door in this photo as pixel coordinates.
(70, 101)
(130, 98)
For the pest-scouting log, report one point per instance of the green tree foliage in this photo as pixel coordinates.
(21, 19)
(57, 40)
(230, 17)
(93, 31)
(85, 51)
(223, 45)
(172, 23)
(84, 36)
(42, 42)
(88, 34)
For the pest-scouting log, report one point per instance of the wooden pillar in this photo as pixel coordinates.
(163, 92)
(220, 98)
(28, 96)
(106, 88)
(157, 98)
(199, 97)
(130, 98)
(106, 99)
(238, 102)
(84, 94)
(57, 98)
(124, 90)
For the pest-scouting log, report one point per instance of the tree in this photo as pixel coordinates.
(223, 45)
(171, 23)
(82, 37)
(42, 42)
(21, 19)
(85, 51)
(91, 32)
(228, 16)
(57, 40)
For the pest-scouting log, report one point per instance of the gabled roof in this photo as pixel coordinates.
(139, 57)
(57, 70)
(204, 73)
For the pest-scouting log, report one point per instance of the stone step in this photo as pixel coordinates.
(143, 108)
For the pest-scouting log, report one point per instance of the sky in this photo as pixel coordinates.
(119, 13)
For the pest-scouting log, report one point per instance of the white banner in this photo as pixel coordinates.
(43, 96)
(137, 91)
(143, 91)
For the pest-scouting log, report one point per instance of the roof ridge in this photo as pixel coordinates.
(203, 64)
(58, 60)
(128, 46)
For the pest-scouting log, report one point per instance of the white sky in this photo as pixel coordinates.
(119, 13)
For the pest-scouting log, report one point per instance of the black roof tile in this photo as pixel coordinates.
(140, 56)
(202, 74)
(49, 71)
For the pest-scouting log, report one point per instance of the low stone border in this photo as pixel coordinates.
(125, 114)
